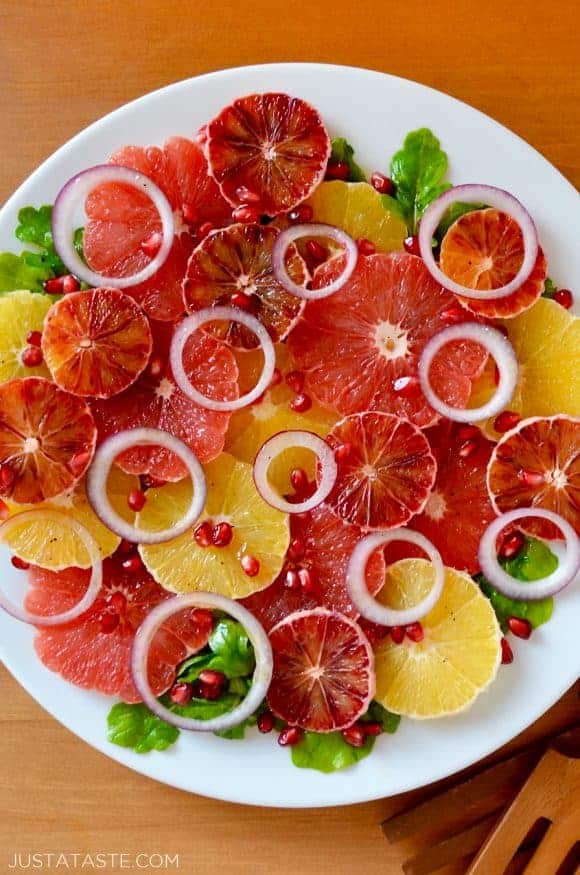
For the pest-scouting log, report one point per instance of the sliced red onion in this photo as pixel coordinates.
(498, 347)
(297, 232)
(99, 472)
(262, 652)
(76, 191)
(286, 440)
(494, 197)
(32, 517)
(365, 603)
(564, 574)
(227, 314)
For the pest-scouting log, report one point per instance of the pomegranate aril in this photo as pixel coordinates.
(366, 247)
(125, 547)
(203, 534)
(266, 721)
(507, 654)
(411, 245)
(307, 584)
(300, 214)
(207, 691)
(466, 432)
(79, 462)
(181, 694)
(53, 286)
(299, 479)
(70, 284)
(338, 170)
(342, 452)
(136, 500)
(519, 627)
(148, 481)
(190, 213)
(354, 735)
(242, 301)
(250, 565)
(467, 449)
(564, 297)
(532, 479)
(398, 634)
(152, 244)
(20, 563)
(496, 375)
(292, 580)
(296, 549)
(222, 535)
(415, 632)
(316, 251)
(512, 545)
(301, 403)
(31, 356)
(382, 183)
(290, 736)
(295, 380)
(34, 338)
(245, 196)
(117, 601)
(133, 564)
(506, 421)
(212, 678)
(246, 214)
(204, 229)
(108, 622)
(373, 728)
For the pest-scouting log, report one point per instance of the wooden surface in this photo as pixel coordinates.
(65, 64)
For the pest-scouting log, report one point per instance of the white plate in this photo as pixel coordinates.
(374, 112)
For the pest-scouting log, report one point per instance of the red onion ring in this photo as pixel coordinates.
(473, 194)
(537, 589)
(262, 651)
(367, 604)
(92, 548)
(213, 314)
(296, 232)
(286, 440)
(497, 345)
(76, 190)
(99, 472)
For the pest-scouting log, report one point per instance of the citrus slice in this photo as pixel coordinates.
(234, 266)
(459, 655)
(155, 401)
(320, 544)
(94, 651)
(55, 546)
(361, 211)
(386, 472)
(361, 346)
(537, 464)
(258, 531)
(123, 221)
(272, 146)
(47, 440)
(96, 343)
(21, 313)
(323, 677)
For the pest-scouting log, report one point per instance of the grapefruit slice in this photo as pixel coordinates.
(21, 313)
(271, 145)
(460, 652)
(94, 651)
(360, 347)
(47, 440)
(234, 266)
(123, 220)
(323, 677)
(96, 343)
(387, 474)
(322, 544)
(155, 401)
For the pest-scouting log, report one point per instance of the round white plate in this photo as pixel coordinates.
(374, 112)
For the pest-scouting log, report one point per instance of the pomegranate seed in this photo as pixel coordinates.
(276, 378)
(411, 245)
(506, 421)
(289, 736)
(181, 694)
(296, 549)
(405, 385)
(7, 477)
(20, 563)
(156, 366)
(133, 564)
(79, 462)
(203, 534)
(4, 510)
(301, 403)
(300, 214)
(136, 500)
(452, 315)
(382, 183)
(316, 251)
(519, 627)
(242, 301)
(531, 478)
(354, 735)
(245, 196)
(70, 284)
(564, 297)
(246, 214)
(222, 535)
(512, 545)
(250, 565)
(365, 247)
(507, 654)
(148, 481)
(190, 214)
(109, 622)
(338, 170)
(31, 356)
(53, 286)
(496, 375)
(467, 449)
(414, 631)
(466, 432)
(34, 338)
(295, 379)
(204, 229)
(306, 583)
(373, 728)
(342, 452)
(266, 721)
(117, 601)
(207, 691)
(299, 479)
(212, 678)
(152, 244)
(126, 547)
(292, 581)
(502, 329)
(397, 634)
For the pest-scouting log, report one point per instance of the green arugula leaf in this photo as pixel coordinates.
(550, 288)
(343, 151)
(229, 641)
(134, 726)
(376, 713)
(418, 170)
(328, 752)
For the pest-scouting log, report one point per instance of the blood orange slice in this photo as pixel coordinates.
(385, 472)
(321, 545)
(123, 221)
(94, 651)
(323, 676)
(47, 440)
(360, 347)
(484, 249)
(233, 266)
(272, 146)
(96, 343)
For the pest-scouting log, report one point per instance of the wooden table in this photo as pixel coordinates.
(62, 65)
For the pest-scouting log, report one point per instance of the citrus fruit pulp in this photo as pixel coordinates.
(323, 677)
(90, 657)
(458, 656)
(360, 347)
(386, 476)
(20, 313)
(121, 220)
(259, 530)
(96, 343)
(271, 145)
(322, 545)
(47, 440)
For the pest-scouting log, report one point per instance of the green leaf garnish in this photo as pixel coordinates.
(328, 752)
(17, 273)
(134, 726)
(231, 652)
(376, 713)
(343, 151)
(35, 227)
(550, 288)
(418, 170)
(455, 212)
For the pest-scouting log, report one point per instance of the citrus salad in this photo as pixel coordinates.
(282, 445)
